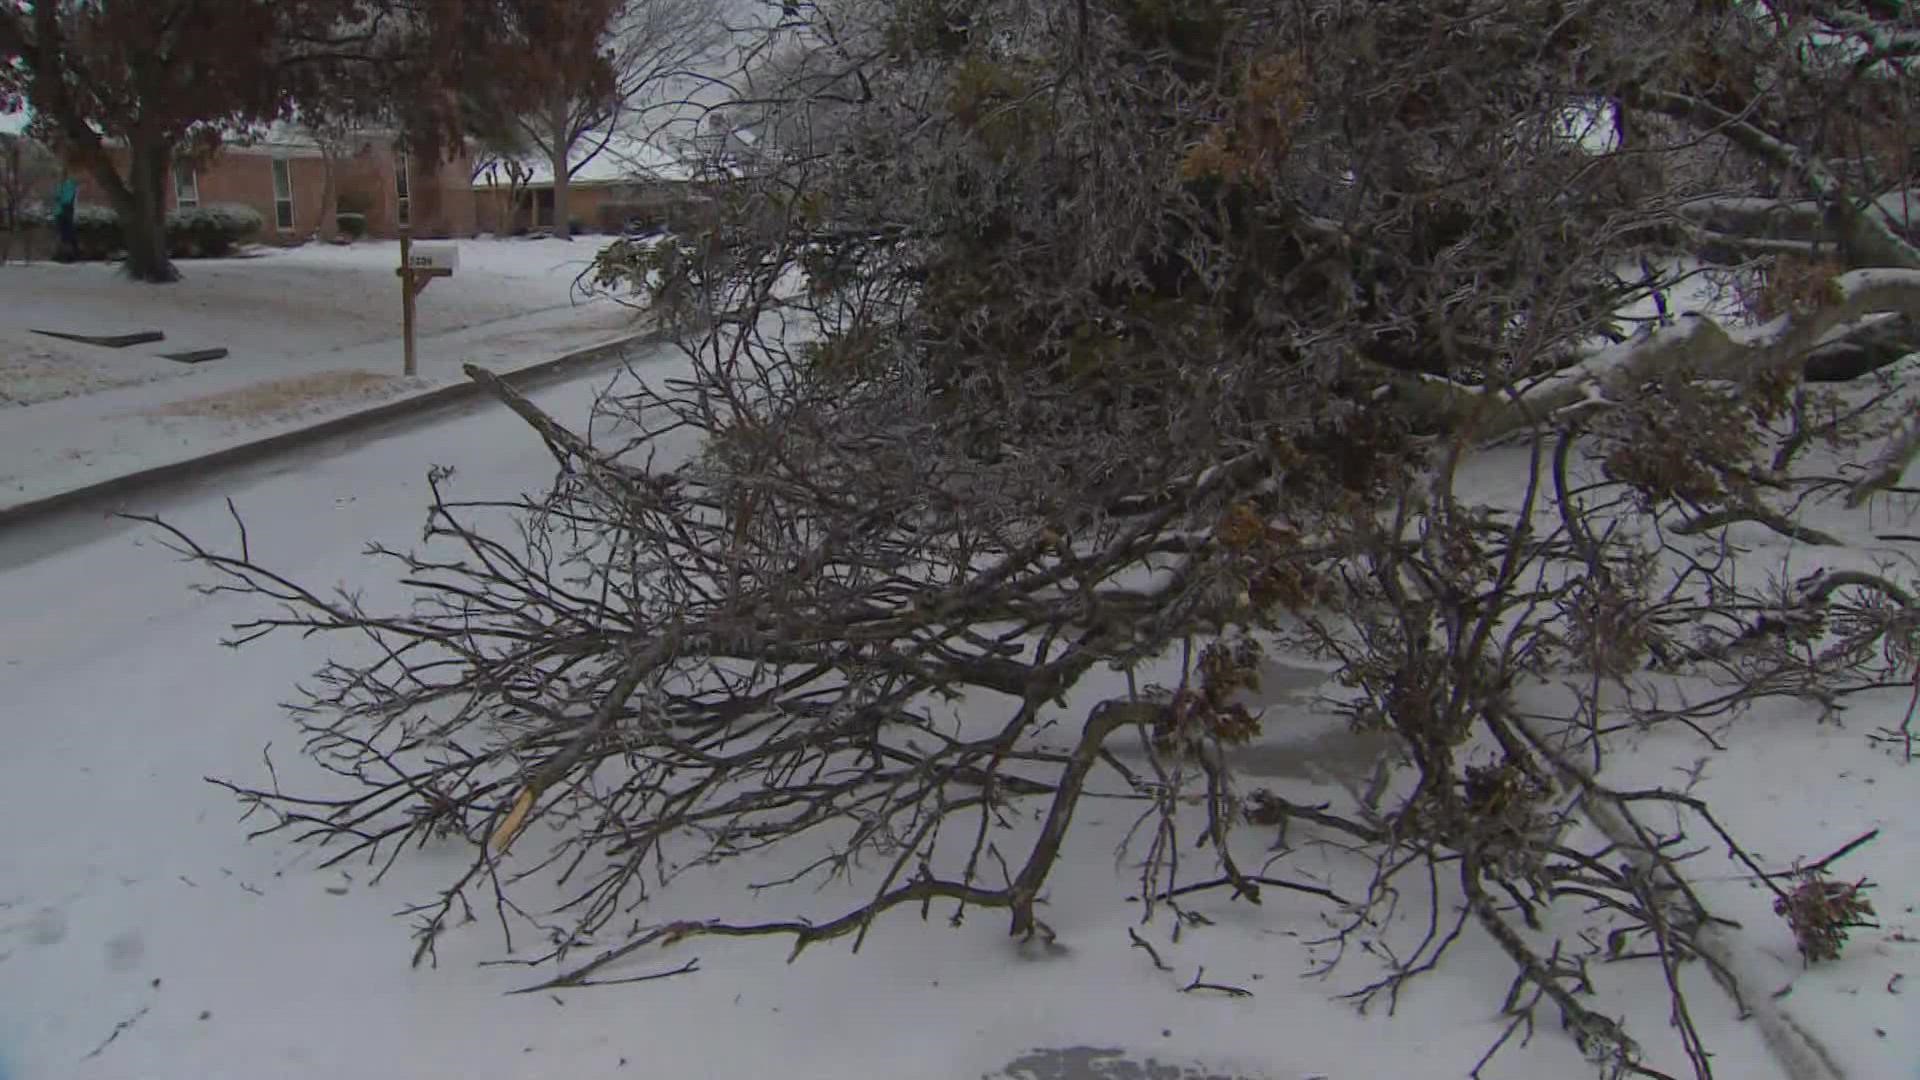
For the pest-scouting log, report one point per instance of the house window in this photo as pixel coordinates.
(403, 203)
(282, 194)
(186, 186)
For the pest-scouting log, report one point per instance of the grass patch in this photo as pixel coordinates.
(296, 396)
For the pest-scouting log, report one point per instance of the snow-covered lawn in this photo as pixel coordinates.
(141, 938)
(312, 332)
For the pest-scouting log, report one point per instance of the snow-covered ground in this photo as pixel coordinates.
(141, 938)
(313, 332)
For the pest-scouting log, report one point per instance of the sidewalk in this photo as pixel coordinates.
(313, 339)
(73, 443)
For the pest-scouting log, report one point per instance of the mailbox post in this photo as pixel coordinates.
(419, 265)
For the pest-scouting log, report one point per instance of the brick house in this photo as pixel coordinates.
(282, 174)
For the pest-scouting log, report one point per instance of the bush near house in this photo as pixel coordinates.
(201, 232)
(96, 228)
(621, 217)
(96, 231)
(351, 225)
(643, 216)
(210, 232)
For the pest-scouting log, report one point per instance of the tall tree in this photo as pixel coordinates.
(25, 169)
(148, 77)
(500, 153)
(122, 87)
(589, 70)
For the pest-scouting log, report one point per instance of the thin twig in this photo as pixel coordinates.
(1821, 864)
(118, 1030)
(688, 968)
(1277, 883)
(1219, 988)
(1142, 943)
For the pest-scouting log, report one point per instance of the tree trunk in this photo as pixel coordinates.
(329, 191)
(12, 179)
(562, 225)
(141, 203)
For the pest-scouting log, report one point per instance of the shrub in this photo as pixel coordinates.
(353, 226)
(203, 232)
(97, 232)
(694, 213)
(628, 217)
(210, 232)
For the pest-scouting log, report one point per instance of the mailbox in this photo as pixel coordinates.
(419, 265)
(443, 257)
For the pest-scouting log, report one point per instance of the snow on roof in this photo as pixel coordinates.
(624, 158)
(277, 137)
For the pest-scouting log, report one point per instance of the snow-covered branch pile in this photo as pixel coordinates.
(1062, 358)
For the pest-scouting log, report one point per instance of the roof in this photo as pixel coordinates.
(624, 159)
(278, 138)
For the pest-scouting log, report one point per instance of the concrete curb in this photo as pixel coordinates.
(249, 453)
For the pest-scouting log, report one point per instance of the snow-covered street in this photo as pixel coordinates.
(141, 936)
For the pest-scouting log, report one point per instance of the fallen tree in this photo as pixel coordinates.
(1058, 338)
